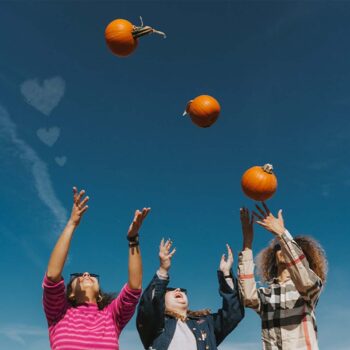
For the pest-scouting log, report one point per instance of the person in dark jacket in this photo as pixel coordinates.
(164, 321)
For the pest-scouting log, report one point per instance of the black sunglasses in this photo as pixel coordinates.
(80, 274)
(277, 247)
(183, 290)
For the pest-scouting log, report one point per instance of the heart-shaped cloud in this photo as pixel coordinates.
(61, 160)
(43, 97)
(49, 136)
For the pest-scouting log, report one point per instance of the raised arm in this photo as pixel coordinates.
(60, 251)
(151, 310)
(123, 307)
(308, 284)
(246, 279)
(135, 261)
(232, 311)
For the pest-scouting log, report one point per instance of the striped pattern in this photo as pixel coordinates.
(86, 327)
(286, 309)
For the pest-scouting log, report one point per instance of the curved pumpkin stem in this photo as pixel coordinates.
(187, 108)
(268, 168)
(144, 30)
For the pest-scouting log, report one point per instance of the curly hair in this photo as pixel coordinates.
(106, 298)
(314, 253)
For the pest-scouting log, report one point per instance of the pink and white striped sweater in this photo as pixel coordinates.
(85, 327)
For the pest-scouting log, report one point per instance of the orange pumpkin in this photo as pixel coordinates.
(259, 182)
(204, 110)
(122, 36)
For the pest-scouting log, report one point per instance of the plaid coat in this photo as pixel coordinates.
(286, 309)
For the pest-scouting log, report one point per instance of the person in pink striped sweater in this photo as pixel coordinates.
(81, 316)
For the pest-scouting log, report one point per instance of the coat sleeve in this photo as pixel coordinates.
(151, 311)
(246, 281)
(232, 311)
(308, 284)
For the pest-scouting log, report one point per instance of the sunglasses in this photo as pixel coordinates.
(80, 274)
(277, 247)
(183, 290)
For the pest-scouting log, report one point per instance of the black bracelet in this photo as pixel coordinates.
(134, 244)
(133, 239)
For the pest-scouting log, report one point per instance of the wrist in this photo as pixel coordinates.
(247, 244)
(226, 273)
(163, 271)
(72, 224)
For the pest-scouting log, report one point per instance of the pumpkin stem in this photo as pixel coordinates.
(268, 168)
(187, 107)
(144, 30)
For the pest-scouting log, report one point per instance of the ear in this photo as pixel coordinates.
(71, 296)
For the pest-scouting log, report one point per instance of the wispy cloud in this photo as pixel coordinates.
(38, 168)
(19, 332)
(44, 97)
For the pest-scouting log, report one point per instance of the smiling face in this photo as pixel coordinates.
(176, 301)
(85, 286)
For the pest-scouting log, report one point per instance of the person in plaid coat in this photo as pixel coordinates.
(295, 271)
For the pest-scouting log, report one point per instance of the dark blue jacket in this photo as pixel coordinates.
(157, 329)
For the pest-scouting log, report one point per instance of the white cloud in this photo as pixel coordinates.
(38, 168)
(49, 136)
(61, 161)
(19, 332)
(43, 97)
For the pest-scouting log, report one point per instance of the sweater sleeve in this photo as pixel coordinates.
(308, 284)
(124, 305)
(54, 300)
(246, 281)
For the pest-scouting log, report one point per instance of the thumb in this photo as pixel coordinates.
(280, 217)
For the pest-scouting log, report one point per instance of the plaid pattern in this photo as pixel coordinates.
(286, 309)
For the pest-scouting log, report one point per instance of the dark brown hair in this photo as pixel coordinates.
(314, 253)
(106, 298)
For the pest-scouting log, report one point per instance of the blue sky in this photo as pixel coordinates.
(71, 113)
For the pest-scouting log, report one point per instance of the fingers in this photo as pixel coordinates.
(268, 212)
(260, 210)
(261, 223)
(145, 212)
(257, 215)
(83, 202)
(165, 246)
(172, 253)
(161, 245)
(229, 251)
(280, 217)
(82, 211)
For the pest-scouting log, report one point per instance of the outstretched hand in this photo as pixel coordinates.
(270, 222)
(226, 263)
(165, 255)
(79, 206)
(136, 224)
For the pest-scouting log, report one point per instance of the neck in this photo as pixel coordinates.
(86, 297)
(178, 312)
(282, 273)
